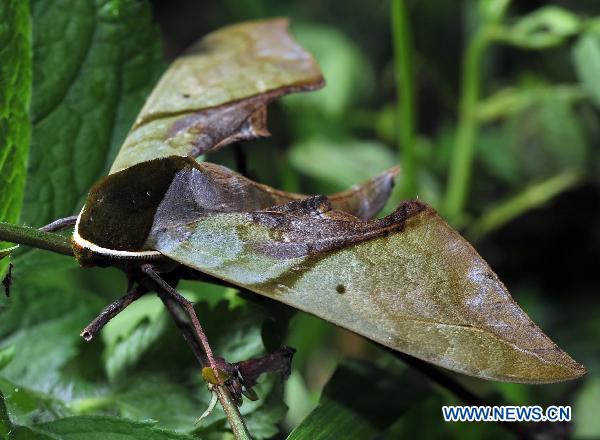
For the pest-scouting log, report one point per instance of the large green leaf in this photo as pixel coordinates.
(39, 316)
(100, 428)
(341, 164)
(15, 91)
(94, 64)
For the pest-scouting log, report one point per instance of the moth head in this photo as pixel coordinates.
(119, 211)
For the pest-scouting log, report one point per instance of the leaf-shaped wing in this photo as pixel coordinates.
(408, 281)
(216, 93)
(201, 189)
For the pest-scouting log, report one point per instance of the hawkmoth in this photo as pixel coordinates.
(408, 280)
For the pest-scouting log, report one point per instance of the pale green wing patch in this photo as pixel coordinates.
(216, 93)
(408, 281)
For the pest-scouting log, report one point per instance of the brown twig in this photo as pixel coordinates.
(110, 312)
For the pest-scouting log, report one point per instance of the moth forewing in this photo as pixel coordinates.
(409, 282)
(218, 90)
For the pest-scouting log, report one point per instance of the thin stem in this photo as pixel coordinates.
(34, 237)
(110, 312)
(468, 124)
(531, 197)
(232, 412)
(403, 59)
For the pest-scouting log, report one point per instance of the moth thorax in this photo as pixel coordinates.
(120, 208)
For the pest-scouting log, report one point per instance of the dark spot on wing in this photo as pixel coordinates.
(340, 288)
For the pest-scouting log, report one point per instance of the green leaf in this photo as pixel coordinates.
(148, 396)
(94, 64)
(543, 28)
(26, 406)
(5, 424)
(103, 67)
(42, 321)
(347, 69)
(6, 355)
(331, 420)
(15, 91)
(586, 56)
(542, 130)
(346, 411)
(131, 333)
(104, 428)
(341, 164)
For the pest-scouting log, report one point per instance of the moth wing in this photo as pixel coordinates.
(408, 281)
(217, 92)
(208, 186)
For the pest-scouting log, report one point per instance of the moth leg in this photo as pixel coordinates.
(110, 312)
(189, 308)
(60, 224)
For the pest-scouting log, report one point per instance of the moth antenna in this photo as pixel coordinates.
(60, 224)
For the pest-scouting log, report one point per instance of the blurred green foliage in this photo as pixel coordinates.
(505, 99)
